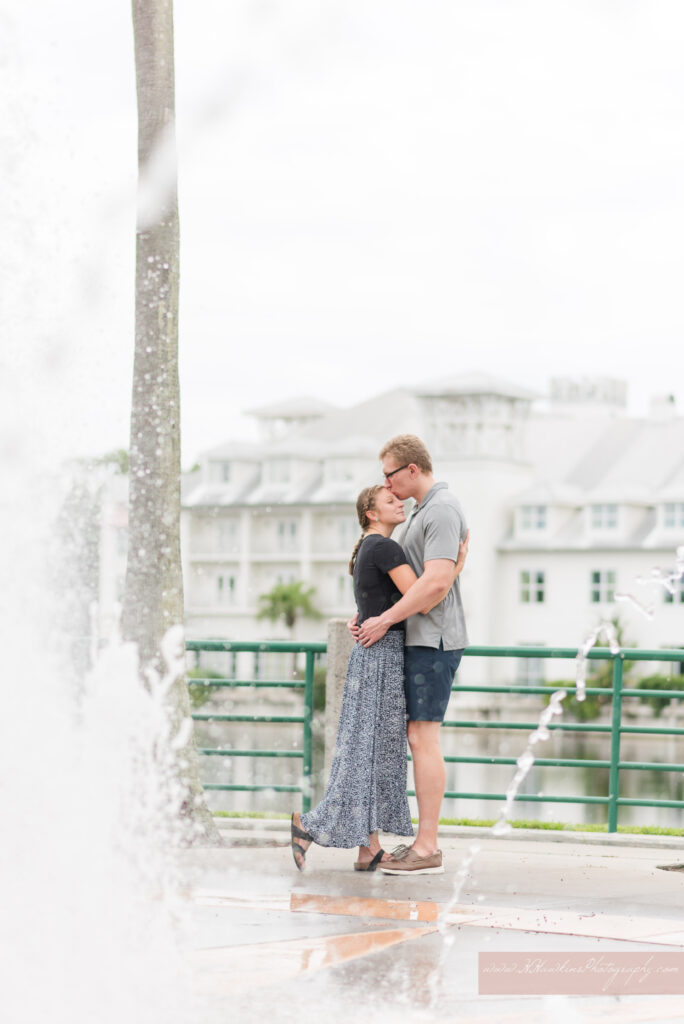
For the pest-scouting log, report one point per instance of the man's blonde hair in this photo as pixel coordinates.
(407, 448)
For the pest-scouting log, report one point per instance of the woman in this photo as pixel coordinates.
(367, 786)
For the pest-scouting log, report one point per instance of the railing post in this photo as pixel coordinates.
(307, 745)
(615, 734)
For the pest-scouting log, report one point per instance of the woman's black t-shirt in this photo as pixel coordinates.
(374, 591)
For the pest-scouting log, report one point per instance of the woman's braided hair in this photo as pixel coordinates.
(365, 503)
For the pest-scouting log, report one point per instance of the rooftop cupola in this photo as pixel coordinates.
(280, 418)
(475, 416)
(588, 396)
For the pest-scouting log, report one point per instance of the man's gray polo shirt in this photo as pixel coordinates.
(434, 530)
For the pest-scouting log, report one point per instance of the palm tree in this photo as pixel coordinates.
(153, 598)
(287, 601)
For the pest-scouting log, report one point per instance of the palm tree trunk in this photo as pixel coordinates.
(153, 600)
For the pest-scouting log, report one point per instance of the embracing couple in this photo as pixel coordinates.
(410, 635)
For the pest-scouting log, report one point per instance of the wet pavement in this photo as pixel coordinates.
(270, 942)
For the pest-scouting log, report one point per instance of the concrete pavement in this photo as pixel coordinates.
(270, 942)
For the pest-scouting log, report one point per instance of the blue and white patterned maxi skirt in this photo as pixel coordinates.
(367, 786)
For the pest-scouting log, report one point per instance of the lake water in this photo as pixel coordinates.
(472, 778)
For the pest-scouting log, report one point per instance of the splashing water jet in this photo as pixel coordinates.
(93, 899)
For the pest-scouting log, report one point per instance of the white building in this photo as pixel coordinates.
(570, 502)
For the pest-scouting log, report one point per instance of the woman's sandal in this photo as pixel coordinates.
(298, 851)
(369, 865)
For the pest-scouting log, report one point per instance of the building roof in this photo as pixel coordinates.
(375, 420)
(476, 384)
(572, 460)
(292, 408)
(549, 492)
(247, 451)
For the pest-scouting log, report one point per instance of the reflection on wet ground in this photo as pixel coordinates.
(271, 943)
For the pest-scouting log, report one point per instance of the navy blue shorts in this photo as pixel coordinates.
(428, 675)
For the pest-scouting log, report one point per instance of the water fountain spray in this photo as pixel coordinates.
(502, 826)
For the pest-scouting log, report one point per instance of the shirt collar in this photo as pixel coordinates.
(430, 495)
(428, 498)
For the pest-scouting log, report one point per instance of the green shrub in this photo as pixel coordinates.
(599, 675)
(199, 695)
(581, 710)
(318, 686)
(657, 682)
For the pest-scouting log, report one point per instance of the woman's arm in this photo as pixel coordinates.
(403, 577)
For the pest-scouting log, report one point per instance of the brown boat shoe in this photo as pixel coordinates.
(411, 863)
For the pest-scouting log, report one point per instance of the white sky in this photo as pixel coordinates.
(372, 191)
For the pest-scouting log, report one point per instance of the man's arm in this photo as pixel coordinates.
(403, 578)
(458, 569)
(410, 581)
(435, 581)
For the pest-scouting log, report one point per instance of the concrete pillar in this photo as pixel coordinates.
(340, 643)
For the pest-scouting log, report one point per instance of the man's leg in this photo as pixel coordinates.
(430, 781)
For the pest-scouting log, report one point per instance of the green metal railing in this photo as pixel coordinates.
(616, 692)
(616, 729)
(306, 753)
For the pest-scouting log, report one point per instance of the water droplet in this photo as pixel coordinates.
(647, 612)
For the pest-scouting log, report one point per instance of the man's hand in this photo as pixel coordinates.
(352, 627)
(462, 555)
(372, 630)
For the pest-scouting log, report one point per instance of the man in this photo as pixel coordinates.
(434, 640)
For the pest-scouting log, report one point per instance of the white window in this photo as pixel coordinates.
(678, 596)
(340, 469)
(287, 532)
(532, 586)
(602, 590)
(225, 588)
(345, 590)
(219, 471)
(285, 577)
(278, 471)
(227, 535)
(604, 517)
(530, 671)
(674, 515)
(672, 668)
(533, 517)
(348, 532)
